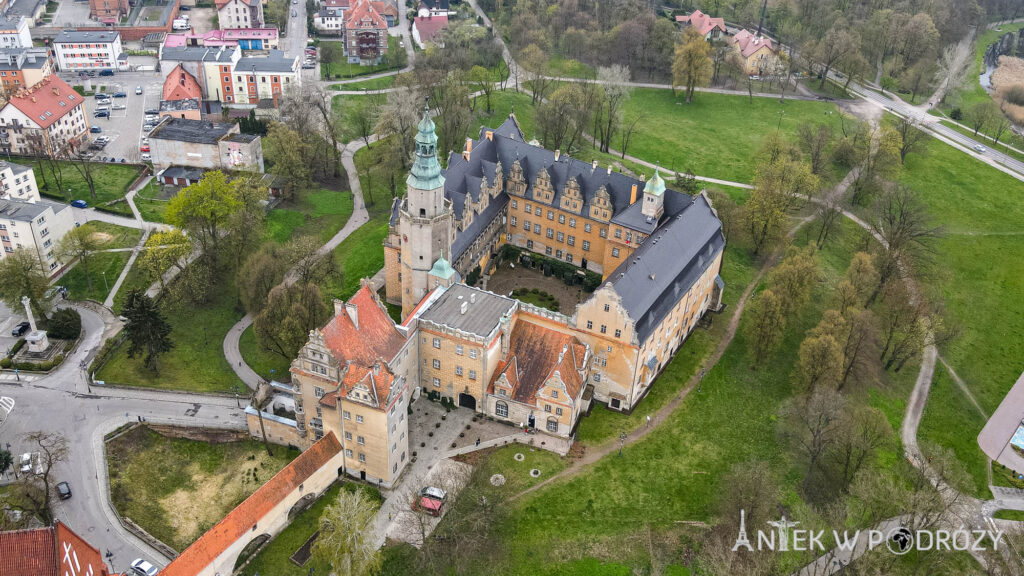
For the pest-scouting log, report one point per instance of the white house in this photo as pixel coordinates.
(14, 33)
(17, 182)
(89, 50)
(47, 118)
(239, 14)
(37, 225)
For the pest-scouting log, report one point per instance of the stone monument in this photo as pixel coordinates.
(37, 341)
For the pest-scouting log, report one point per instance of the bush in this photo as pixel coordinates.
(65, 324)
(17, 346)
(1015, 94)
(956, 114)
(5, 363)
(473, 277)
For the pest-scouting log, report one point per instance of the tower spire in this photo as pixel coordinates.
(426, 171)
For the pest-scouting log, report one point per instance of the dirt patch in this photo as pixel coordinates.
(201, 434)
(100, 237)
(862, 110)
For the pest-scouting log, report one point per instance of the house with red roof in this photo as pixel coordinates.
(710, 28)
(366, 33)
(426, 28)
(264, 514)
(182, 95)
(352, 379)
(47, 118)
(759, 54)
(239, 14)
(51, 551)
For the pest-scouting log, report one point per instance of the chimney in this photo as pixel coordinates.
(557, 154)
(464, 307)
(593, 167)
(472, 298)
(468, 150)
(353, 313)
(489, 135)
(632, 195)
(609, 168)
(339, 307)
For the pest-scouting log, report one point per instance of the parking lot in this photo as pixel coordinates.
(8, 321)
(123, 127)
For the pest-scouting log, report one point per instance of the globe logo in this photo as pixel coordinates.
(900, 541)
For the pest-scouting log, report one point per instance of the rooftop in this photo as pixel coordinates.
(21, 58)
(274, 61)
(429, 26)
(92, 37)
(702, 22)
(15, 168)
(27, 211)
(11, 24)
(182, 105)
(47, 101)
(241, 520)
(180, 84)
(197, 131)
(362, 333)
(469, 310)
(242, 138)
(48, 552)
(197, 54)
(537, 353)
(749, 43)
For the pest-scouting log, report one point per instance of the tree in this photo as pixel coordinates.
(781, 179)
(85, 167)
(743, 488)
(692, 65)
(981, 114)
(164, 250)
(310, 265)
(912, 138)
(535, 61)
(53, 449)
(79, 244)
(261, 271)
(452, 97)
(65, 323)
(362, 115)
(22, 274)
(901, 221)
(290, 313)
(557, 117)
(289, 155)
(829, 213)
(346, 539)
(615, 82)
(6, 460)
(148, 332)
(917, 77)
(819, 363)
(399, 116)
(811, 423)
(834, 46)
(863, 431)
(330, 52)
(814, 141)
(953, 69)
(879, 163)
(766, 325)
(482, 81)
(794, 278)
(1000, 124)
(204, 210)
(862, 277)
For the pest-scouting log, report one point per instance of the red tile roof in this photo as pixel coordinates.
(374, 339)
(336, 4)
(364, 16)
(46, 551)
(535, 353)
(702, 22)
(222, 3)
(46, 101)
(241, 520)
(429, 26)
(385, 7)
(181, 85)
(749, 43)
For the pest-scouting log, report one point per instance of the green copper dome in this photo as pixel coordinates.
(655, 185)
(442, 269)
(426, 171)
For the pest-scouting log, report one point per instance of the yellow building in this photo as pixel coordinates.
(758, 52)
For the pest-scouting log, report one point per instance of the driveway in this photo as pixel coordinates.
(123, 127)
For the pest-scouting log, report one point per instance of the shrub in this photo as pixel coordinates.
(5, 363)
(17, 346)
(956, 114)
(66, 324)
(1015, 94)
(473, 277)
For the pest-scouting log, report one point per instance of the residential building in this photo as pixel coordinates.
(23, 67)
(32, 10)
(18, 182)
(51, 551)
(204, 63)
(207, 145)
(330, 20)
(225, 75)
(352, 379)
(108, 11)
(426, 28)
(14, 32)
(182, 95)
(89, 51)
(333, 17)
(37, 225)
(433, 8)
(240, 14)
(264, 514)
(245, 38)
(758, 52)
(47, 118)
(366, 33)
(708, 27)
(658, 250)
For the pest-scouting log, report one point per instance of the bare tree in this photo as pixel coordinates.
(53, 449)
(912, 138)
(830, 212)
(953, 68)
(399, 116)
(814, 141)
(901, 221)
(812, 425)
(615, 80)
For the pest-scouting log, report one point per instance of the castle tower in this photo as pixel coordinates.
(654, 197)
(426, 220)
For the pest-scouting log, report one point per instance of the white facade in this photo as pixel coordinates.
(240, 14)
(87, 50)
(22, 134)
(14, 33)
(38, 226)
(18, 182)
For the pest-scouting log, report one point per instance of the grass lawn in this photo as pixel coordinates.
(275, 558)
(102, 265)
(322, 213)
(977, 276)
(948, 404)
(1017, 515)
(261, 360)
(716, 135)
(371, 84)
(150, 205)
(112, 181)
(541, 299)
(830, 90)
(196, 363)
(1003, 476)
(177, 489)
(568, 68)
(341, 69)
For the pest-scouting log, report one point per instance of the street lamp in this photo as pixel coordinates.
(105, 281)
(622, 440)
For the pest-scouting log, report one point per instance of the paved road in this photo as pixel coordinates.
(62, 402)
(294, 41)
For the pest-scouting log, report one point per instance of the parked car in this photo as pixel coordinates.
(152, 112)
(95, 130)
(184, 8)
(26, 463)
(145, 141)
(294, 13)
(432, 492)
(427, 505)
(118, 107)
(80, 204)
(980, 148)
(146, 157)
(308, 65)
(20, 329)
(103, 139)
(64, 490)
(144, 148)
(138, 89)
(101, 96)
(102, 114)
(143, 568)
(147, 128)
(107, 72)
(120, 94)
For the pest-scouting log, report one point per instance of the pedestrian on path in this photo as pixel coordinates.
(477, 441)
(648, 420)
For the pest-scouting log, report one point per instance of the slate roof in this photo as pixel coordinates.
(187, 130)
(535, 353)
(15, 168)
(274, 61)
(27, 211)
(47, 101)
(483, 310)
(93, 37)
(241, 520)
(658, 273)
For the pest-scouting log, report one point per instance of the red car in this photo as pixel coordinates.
(144, 148)
(427, 505)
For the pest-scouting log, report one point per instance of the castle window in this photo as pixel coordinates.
(618, 333)
(458, 349)
(318, 391)
(615, 252)
(586, 245)
(347, 415)
(551, 215)
(558, 411)
(547, 408)
(618, 232)
(458, 370)
(501, 409)
(513, 221)
(572, 222)
(472, 353)
(437, 364)
(528, 207)
(604, 329)
(472, 374)
(561, 218)
(359, 419)
(437, 382)
(561, 237)
(547, 250)
(348, 435)
(536, 228)
(515, 204)
(360, 440)
(537, 211)
(552, 425)
(554, 393)
(607, 308)
(558, 254)
(437, 343)
(572, 240)
(526, 225)
(590, 324)
(551, 233)
(603, 233)
(362, 457)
